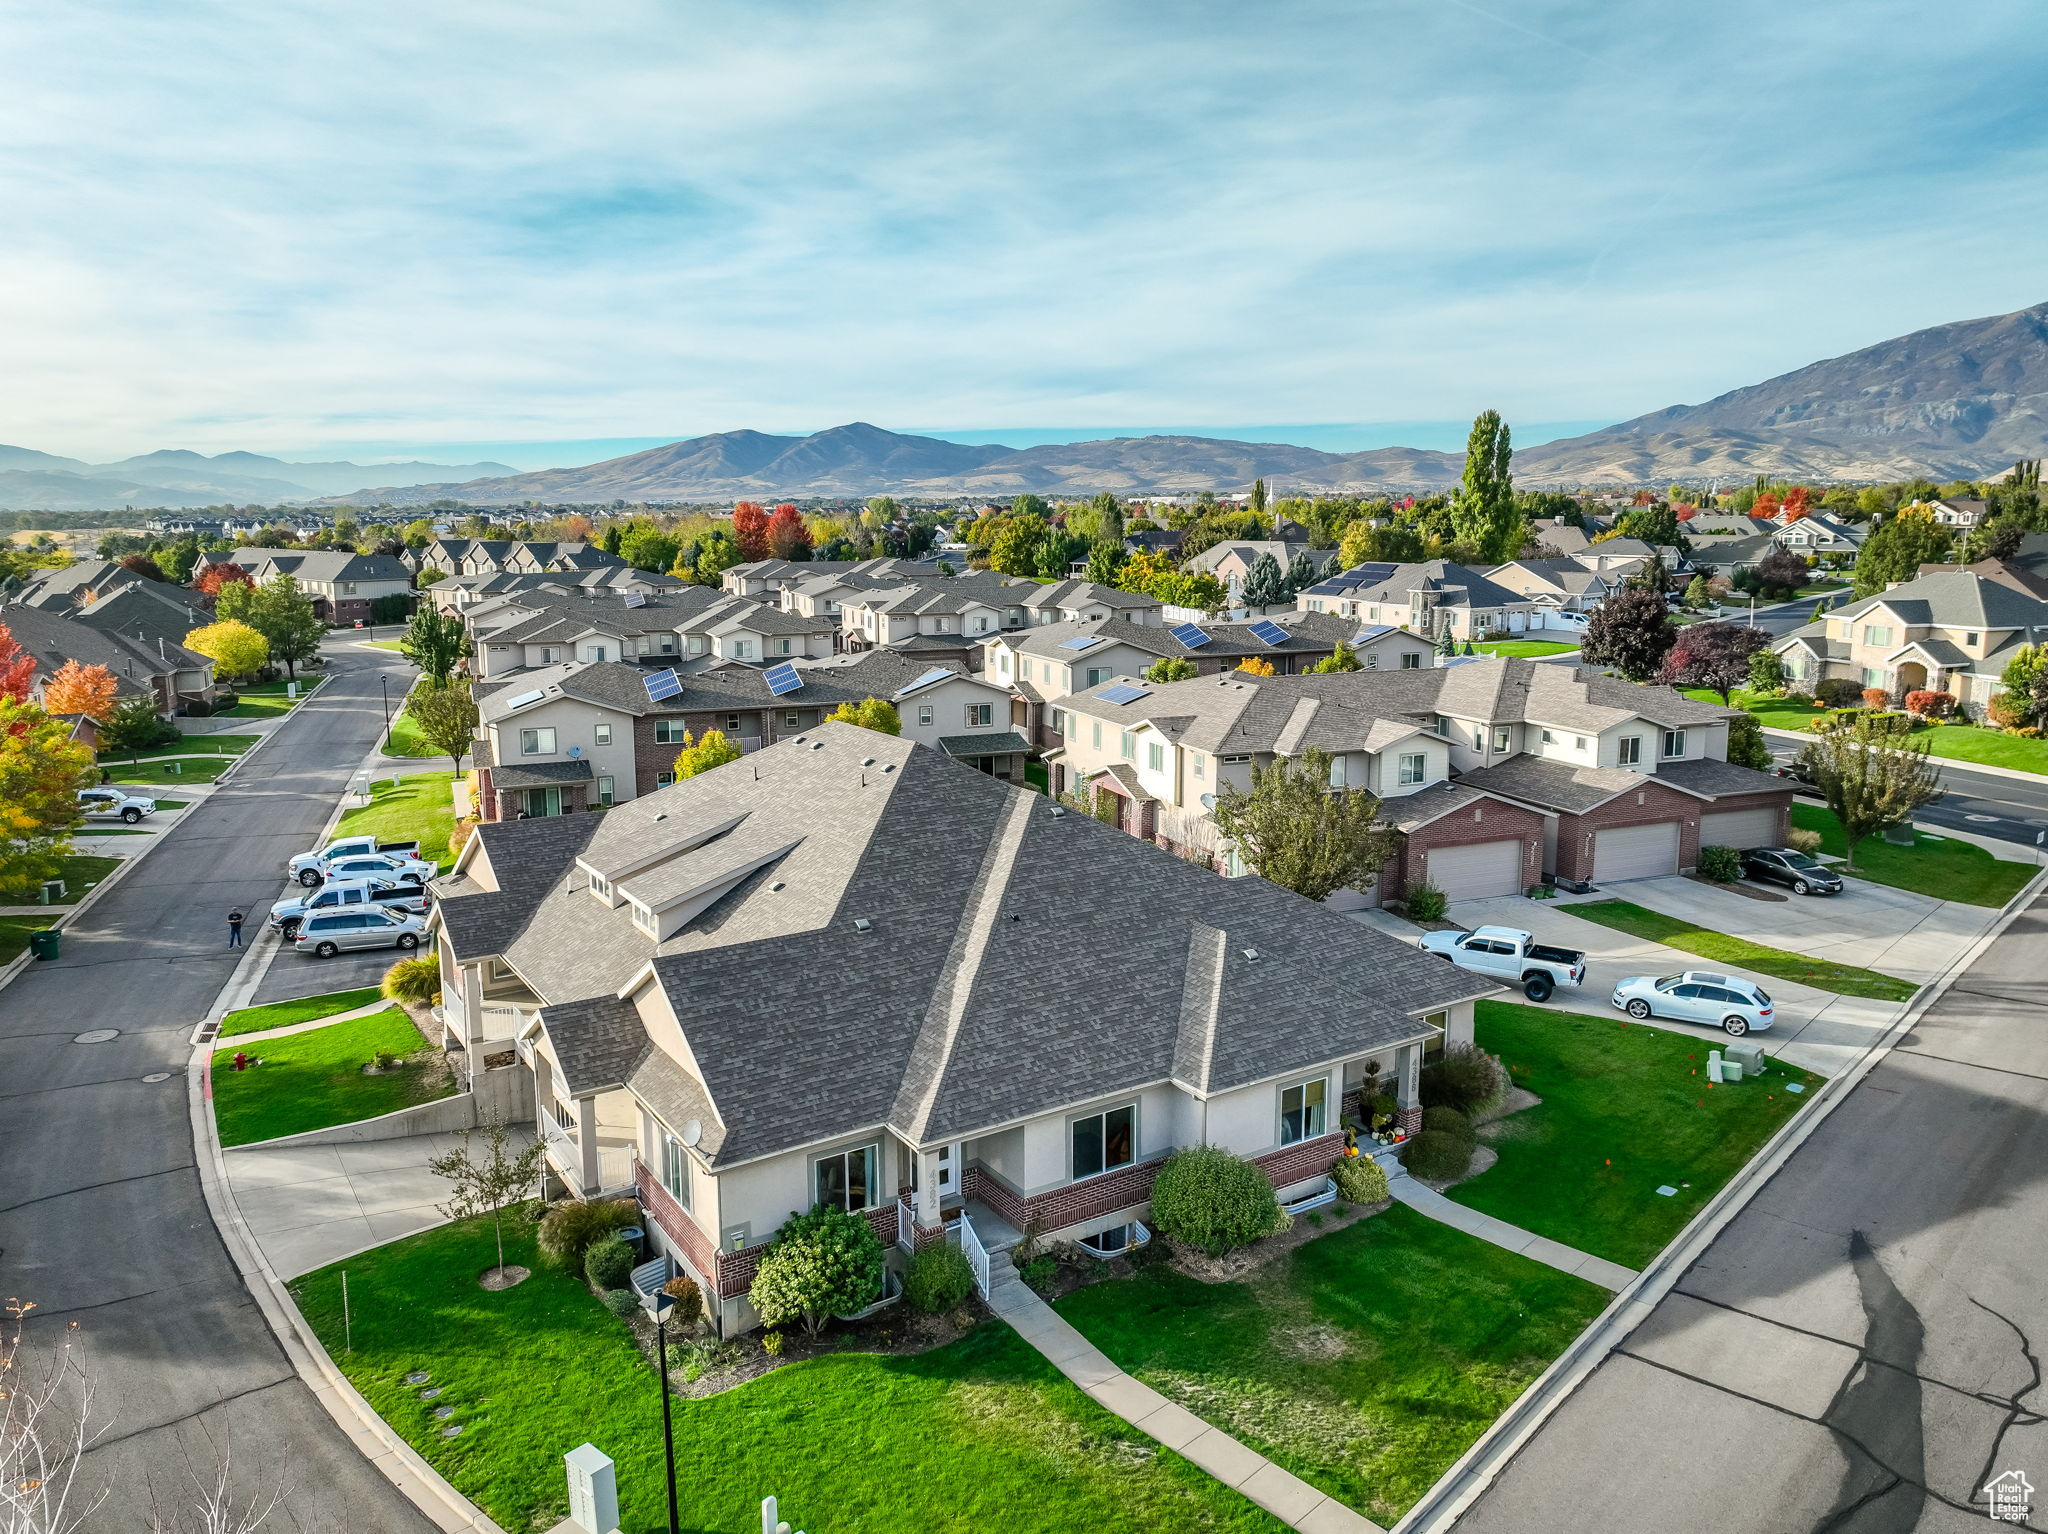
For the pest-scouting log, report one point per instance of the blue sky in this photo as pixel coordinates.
(380, 230)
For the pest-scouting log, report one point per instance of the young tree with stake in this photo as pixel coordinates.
(446, 718)
(486, 1182)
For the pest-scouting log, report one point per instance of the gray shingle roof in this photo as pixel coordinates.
(596, 1042)
(1311, 633)
(1955, 599)
(1554, 785)
(1453, 585)
(1000, 743)
(526, 857)
(540, 774)
(1717, 780)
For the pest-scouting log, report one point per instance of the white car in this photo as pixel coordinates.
(401, 870)
(114, 804)
(1734, 1005)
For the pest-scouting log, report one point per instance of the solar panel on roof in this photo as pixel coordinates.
(1081, 643)
(1123, 692)
(525, 699)
(1190, 635)
(1265, 631)
(783, 679)
(936, 674)
(636, 599)
(663, 684)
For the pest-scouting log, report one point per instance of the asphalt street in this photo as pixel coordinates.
(102, 1221)
(1858, 1352)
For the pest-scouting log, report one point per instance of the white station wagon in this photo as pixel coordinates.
(1734, 1005)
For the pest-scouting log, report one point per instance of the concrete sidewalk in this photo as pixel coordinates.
(1511, 1238)
(1285, 1495)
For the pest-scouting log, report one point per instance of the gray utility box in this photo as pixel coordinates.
(52, 892)
(1749, 1056)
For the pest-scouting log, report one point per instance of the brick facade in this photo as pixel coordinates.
(1652, 804)
(1487, 820)
(734, 1271)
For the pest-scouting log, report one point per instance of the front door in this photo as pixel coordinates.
(543, 801)
(949, 1172)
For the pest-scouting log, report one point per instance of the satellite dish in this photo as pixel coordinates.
(1208, 801)
(693, 1132)
(575, 753)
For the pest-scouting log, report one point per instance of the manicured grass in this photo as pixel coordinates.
(312, 1080)
(420, 808)
(1365, 1361)
(14, 931)
(267, 700)
(80, 872)
(1964, 743)
(196, 745)
(1939, 866)
(283, 1014)
(196, 769)
(404, 739)
(380, 644)
(983, 1434)
(1523, 647)
(1821, 974)
(1036, 775)
(1626, 1110)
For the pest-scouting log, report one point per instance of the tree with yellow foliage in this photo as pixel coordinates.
(41, 771)
(1252, 665)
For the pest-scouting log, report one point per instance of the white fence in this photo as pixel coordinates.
(977, 1254)
(906, 1226)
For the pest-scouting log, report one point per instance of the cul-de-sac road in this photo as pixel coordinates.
(1860, 1349)
(102, 1221)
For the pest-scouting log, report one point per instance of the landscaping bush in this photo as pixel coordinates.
(1359, 1179)
(415, 980)
(1448, 1121)
(1721, 864)
(1875, 697)
(1835, 692)
(1926, 704)
(1435, 1156)
(1208, 1198)
(822, 1264)
(608, 1265)
(1426, 902)
(621, 1302)
(1383, 1107)
(1807, 842)
(568, 1229)
(1795, 696)
(938, 1278)
(2006, 710)
(1462, 1077)
(1766, 672)
(689, 1306)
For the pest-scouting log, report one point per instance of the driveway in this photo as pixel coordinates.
(309, 1205)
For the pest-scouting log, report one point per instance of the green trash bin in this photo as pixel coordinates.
(46, 942)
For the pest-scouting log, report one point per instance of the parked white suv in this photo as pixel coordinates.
(347, 895)
(329, 932)
(1735, 1005)
(108, 803)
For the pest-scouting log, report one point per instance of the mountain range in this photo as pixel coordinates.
(1956, 401)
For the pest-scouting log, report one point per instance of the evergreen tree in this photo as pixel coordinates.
(1698, 595)
(612, 535)
(1264, 585)
(1446, 642)
(1301, 572)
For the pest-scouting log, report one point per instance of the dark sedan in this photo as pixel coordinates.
(1781, 865)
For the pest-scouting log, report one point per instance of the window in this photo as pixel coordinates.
(1502, 739)
(792, 720)
(980, 715)
(604, 735)
(1873, 676)
(540, 742)
(1059, 721)
(675, 1169)
(1102, 1142)
(1409, 662)
(1301, 1110)
(1674, 742)
(549, 655)
(1877, 633)
(848, 1180)
(1443, 726)
(1478, 737)
(1412, 767)
(1155, 756)
(668, 644)
(1098, 730)
(924, 713)
(1628, 751)
(742, 649)
(606, 790)
(1578, 742)
(1970, 639)
(598, 652)
(663, 779)
(1196, 763)
(1097, 675)
(1127, 744)
(1547, 740)
(732, 724)
(670, 732)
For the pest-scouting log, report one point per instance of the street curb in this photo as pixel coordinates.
(71, 913)
(1477, 1469)
(2040, 778)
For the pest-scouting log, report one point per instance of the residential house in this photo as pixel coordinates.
(1724, 556)
(1953, 632)
(2025, 569)
(765, 578)
(453, 594)
(146, 663)
(1230, 562)
(1821, 534)
(341, 583)
(694, 627)
(1563, 584)
(1426, 598)
(1494, 772)
(556, 558)
(818, 977)
(1959, 511)
(1602, 553)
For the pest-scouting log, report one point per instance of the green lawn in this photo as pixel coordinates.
(1939, 866)
(420, 808)
(198, 769)
(14, 931)
(404, 739)
(1036, 775)
(983, 1434)
(381, 644)
(266, 700)
(1949, 742)
(312, 1080)
(1821, 974)
(1525, 648)
(1365, 1361)
(283, 1014)
(79, 871)
(1626, 1110)
(199, 745)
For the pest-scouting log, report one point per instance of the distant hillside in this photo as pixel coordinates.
(174, 477)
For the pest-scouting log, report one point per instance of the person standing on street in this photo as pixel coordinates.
(235, 928)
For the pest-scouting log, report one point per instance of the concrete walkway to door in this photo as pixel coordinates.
(1285, 1495)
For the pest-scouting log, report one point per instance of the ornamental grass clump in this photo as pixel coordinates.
(822, 1264)
(568, 1230)
(1463, 1077)
(1208, 1198)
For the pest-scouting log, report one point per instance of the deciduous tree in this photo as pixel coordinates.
(710, 750)
(1301, 833)
(1712, 655)
(1899, 547)
(1871, 776)
(1253, 665)
(1341, 658)
(134, 726)
(41, 771)
(750, 530)
(434, 642)
(488, 1178)
(1631, 632)
(786, 534)
(142, 565)
(446, 717)
(1746, 744)
(877, 714)
(214, 577)
(234, 648)
(1484, 514)
(1170, 668)
(79, 689)
(284, 616)
(17, 667)
(1781, 570)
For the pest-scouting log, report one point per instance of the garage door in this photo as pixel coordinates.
(1473, 873)
(1635, 852)
(1740, 829)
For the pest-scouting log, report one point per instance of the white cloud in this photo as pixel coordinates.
(262, 226)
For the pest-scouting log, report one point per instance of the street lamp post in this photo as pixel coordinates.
(658, 1305)
(385, 683)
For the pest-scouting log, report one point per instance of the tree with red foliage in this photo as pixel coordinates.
(17, 667)
(1798, 503)
(788, 537)
(1712, 655)
(1685, 513)
(213, 577)
(1875, 697)
(750, 531)
(142, 565)
(1781, 570)
(1925, 703)
(1767, 506)
(1643, 498)
(77, 689)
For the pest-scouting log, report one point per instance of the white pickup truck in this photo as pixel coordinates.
(309, 868)
(1512, 955)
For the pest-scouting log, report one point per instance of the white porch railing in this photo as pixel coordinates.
(977, 1254)
(614, 1166)
(562, 1146)
(906, 1226)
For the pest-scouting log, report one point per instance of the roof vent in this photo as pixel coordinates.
(817, 745)
(1059, 811)
(777, 887)
(1251, 955)
(862, 924)
(867, 761)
